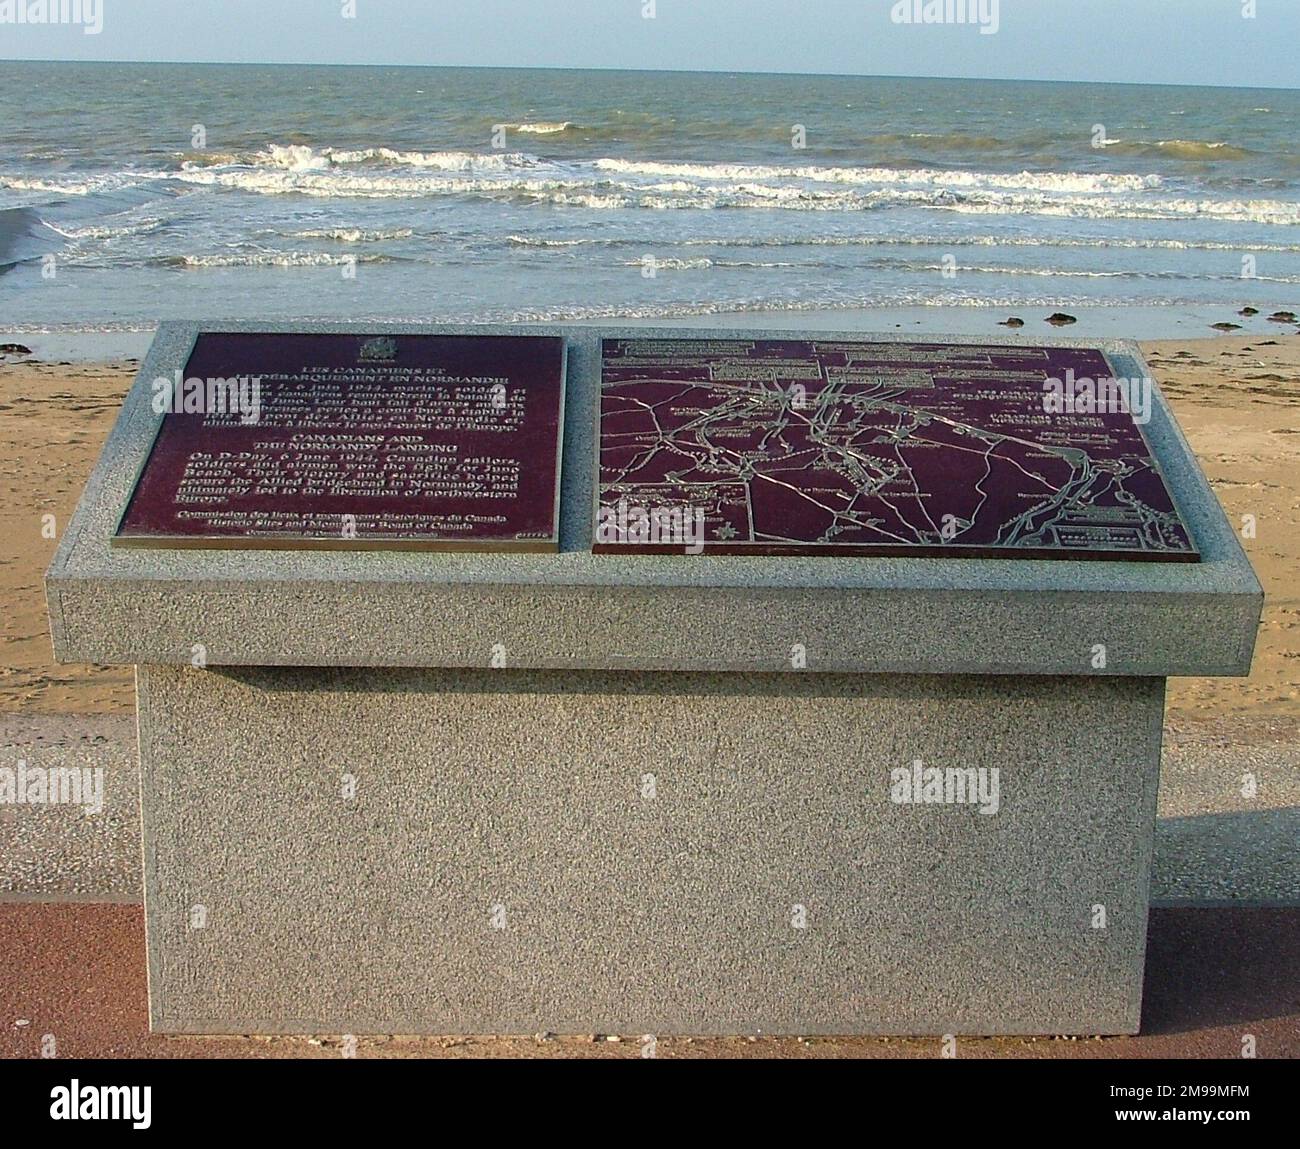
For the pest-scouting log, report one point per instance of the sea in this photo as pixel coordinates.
(131, 193)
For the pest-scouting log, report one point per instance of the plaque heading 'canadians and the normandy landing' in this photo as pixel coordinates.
(823, 447)
(416, 442)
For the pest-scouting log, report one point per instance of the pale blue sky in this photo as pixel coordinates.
(1157, 41)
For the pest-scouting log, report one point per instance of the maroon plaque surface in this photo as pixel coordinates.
(835, 448)
(403, 442)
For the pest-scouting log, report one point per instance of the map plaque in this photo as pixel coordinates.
(321, 441)
(828, 447)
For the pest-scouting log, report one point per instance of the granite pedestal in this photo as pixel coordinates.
(468, 793)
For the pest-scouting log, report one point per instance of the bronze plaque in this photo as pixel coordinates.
(401, 442)
(826, 447)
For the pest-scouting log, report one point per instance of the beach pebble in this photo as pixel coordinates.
(1014, 321)
(1060, 319)
(1226, 326)
(14, 349)
(1283, 317)
(1249, 311)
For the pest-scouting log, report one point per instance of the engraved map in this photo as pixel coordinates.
(829, 447)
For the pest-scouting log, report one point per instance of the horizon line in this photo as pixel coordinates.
(651, 71)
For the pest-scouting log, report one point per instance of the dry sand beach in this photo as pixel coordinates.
(1238, 400)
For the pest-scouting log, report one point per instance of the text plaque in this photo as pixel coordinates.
(833, 447)
(321, 441)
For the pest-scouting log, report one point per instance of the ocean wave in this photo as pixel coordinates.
(929, 267)
(265, 259)
(1078, 182)
(106, 231)
(950, 241)
(71, 185)
(353, 234)
(569, 186)
(1181, 149)
(535, 241)
(1044, 272)
(704, 263)
(16, 227)
(542, 127)
(207, 159)
(437, 161)
(671, 263)
(612, 184)
(910, 240)
(303, 158)
(1274, 212)
(945, 141)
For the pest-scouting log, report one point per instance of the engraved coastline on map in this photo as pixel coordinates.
(857, 448)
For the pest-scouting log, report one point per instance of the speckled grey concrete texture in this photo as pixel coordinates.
(637, 905)
(1214, 844)
(584, 611)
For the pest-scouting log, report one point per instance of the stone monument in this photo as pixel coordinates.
(825, 698)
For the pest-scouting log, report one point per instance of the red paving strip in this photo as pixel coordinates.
(1213, 975)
